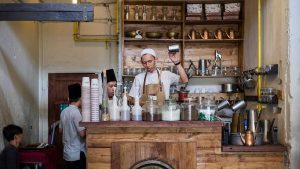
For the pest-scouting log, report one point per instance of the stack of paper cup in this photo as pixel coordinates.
(85, 99)
(95, 116)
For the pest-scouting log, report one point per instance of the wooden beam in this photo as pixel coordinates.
(46, 12)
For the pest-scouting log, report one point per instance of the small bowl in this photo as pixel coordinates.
(155, 35)
(130, 34)
(172, 35)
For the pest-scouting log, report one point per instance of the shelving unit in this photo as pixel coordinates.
(190, 49)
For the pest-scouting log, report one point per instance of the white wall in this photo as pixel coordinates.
(274, 51)
(19, 78)
(294, 72)
(61, 54)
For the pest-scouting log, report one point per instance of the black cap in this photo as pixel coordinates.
(110, 75)
(74, 91)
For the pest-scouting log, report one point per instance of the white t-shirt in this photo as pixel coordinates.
(167, 78)
(72, 141)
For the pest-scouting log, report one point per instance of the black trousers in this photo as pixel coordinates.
(79, 164)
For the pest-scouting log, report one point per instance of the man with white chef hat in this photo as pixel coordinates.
(155, 84)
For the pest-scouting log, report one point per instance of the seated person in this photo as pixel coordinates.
(9, 157)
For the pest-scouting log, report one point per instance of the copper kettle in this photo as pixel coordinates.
(218, 34)
(192, 34)
(231, 34)
(248, 138)
(205, 34)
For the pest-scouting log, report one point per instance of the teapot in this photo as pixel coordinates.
(205, 34)
(192, 34)
(248, 139)
(231, 34)
(218, 34)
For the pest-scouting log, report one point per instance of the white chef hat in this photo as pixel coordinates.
(148, 51)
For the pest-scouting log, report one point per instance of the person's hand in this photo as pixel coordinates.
(173, 57)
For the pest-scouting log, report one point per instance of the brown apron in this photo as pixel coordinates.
(153, 90)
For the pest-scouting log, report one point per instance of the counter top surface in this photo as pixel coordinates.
(152, 124)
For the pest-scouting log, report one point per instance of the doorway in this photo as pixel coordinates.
(58, 96)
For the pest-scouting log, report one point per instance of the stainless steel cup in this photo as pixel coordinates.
(239, 105)
(252, 119)
(223, 104)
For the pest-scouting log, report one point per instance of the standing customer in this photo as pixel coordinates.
(9, 158)
(73, 136)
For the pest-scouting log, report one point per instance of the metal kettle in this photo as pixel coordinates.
(205, 34)
(218, 34)
(231, 34)
(248, 138)
(192, 34)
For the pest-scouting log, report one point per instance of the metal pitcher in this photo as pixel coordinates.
(248, 138)
(205, 34)
(218, 34)
(192, 34)
(203, 66)
(231, 33)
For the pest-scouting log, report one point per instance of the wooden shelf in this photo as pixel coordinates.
(157, 22)
(213, 40)
(260, 148)
(153, 40)
(155, 2)
(213, 1)
(216, 77)
(220, 22)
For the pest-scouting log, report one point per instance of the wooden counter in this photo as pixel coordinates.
(183, 145)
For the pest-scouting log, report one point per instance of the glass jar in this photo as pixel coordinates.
(206, 110)
(165, 13)
(153, 14)
(151, 111)
(170, 111)
(188, 110)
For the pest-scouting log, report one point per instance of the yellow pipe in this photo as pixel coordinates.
(77, 38)
(259, 78)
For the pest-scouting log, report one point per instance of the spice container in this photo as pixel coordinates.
(170, 111)
(188, 110)
(151, 111)
(206, 110)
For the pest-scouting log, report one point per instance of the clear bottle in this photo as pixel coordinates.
(188, 110)
(136, 110)
(170, 111)
(127, 12)
(151, 111)
(136, 12)
(154, 13)
(144, 15)
(125, 109)
(165, 13)
(114, 111)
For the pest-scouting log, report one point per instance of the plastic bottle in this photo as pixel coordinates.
(125, 109)
(114, 110)
(137, 110)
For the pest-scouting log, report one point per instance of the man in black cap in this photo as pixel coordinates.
(111, 82)
(73, 135)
